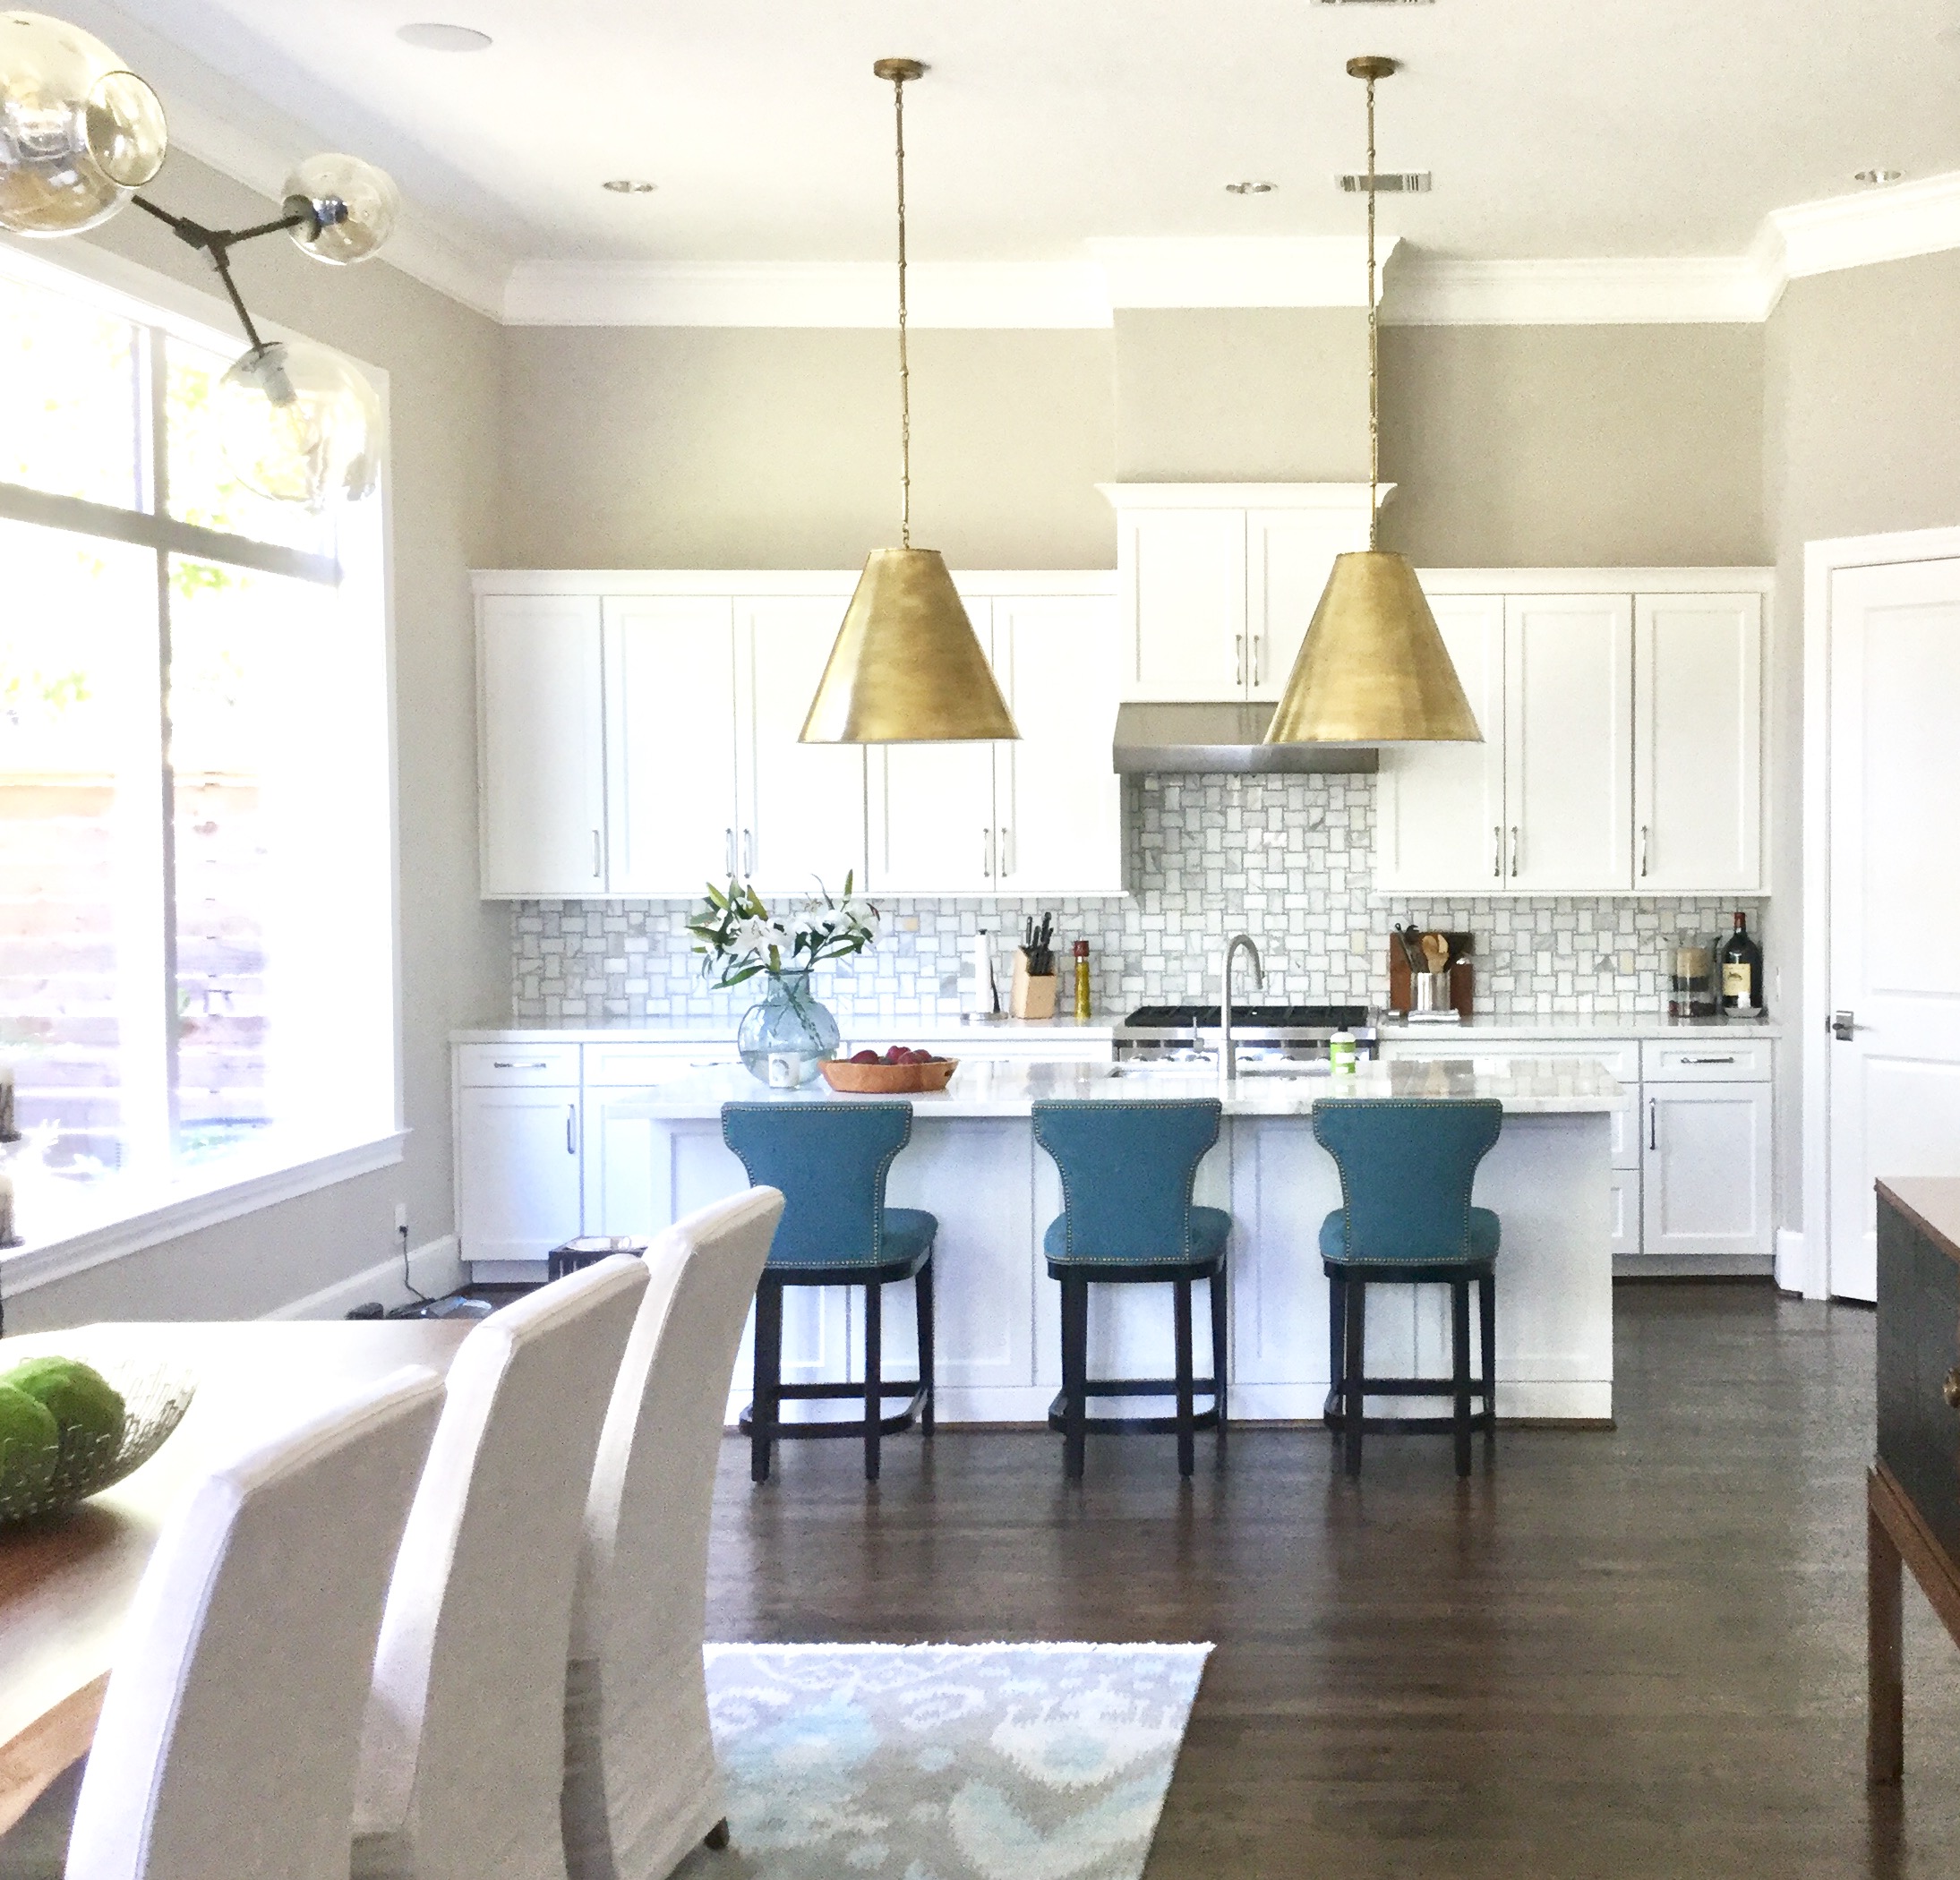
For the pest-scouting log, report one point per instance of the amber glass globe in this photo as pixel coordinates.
(351, 207)
(300, 423)
(80, 133)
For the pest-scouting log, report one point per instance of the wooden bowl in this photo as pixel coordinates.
(886, 1080)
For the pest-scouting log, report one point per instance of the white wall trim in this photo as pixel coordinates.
(228, 1196)
(1793, 1261)
(1337, 498)
(1598, 580)
(827, 581)
(1237, 270)
(435, 1268)
(1893, 224)
(1436, 291)
(1821, 560)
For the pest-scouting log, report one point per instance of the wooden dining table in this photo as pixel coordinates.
(66, 1583)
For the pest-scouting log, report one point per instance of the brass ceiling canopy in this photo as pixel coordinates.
(1372, 668)
(907, 667)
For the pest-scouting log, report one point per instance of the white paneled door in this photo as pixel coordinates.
(1895, 895)
(1568, 723)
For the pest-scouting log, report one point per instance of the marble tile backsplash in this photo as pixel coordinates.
(1285, 859)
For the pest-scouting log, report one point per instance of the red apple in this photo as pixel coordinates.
(864, 1057)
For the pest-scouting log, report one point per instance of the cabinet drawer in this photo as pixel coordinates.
(489, 1066)
(1714, 1060)
(630, 1066)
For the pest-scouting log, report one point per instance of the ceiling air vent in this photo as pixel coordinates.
(1386, 183)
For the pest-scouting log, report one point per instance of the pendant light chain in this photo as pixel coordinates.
(1374, 360)
(904, 361)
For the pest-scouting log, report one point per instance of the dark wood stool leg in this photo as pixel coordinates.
(1220, 1340)
(1336, 1347)
(763, 1403)
(1354, 1370)
(874, 1374)
(1074, 1376)
(1884, 1646)
(1186, 1456)
(922, 1286)
(1459, 1369)
(1487, 1302)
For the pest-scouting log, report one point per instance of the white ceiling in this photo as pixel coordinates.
(1554, 128)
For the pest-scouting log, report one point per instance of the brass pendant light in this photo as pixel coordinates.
(1372, 668)
(907, 667)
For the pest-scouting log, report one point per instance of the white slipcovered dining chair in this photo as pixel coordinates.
(231, 1730)
(462, 1758)
(641, 1784)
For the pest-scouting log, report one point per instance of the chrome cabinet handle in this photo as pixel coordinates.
(987, 853)
(1653, 1122)
(1006, 847)
(1259, 659)
(511, 1064)
(1497, 851)
(1514, 851)
(598, 863)
(727, 849)
(1238, 659)
(571, 1129)
(1707, 1060)
(748, 852)
(1643, 851)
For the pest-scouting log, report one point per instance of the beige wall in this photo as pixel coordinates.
(1519, 447)
(690, 447)
(1862, 423)
(445, 366)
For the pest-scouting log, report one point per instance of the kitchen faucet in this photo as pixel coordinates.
(1228, 1051)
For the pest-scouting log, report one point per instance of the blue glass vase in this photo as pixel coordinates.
(787, 1033)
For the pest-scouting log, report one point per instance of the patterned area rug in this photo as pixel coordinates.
(996, 1761)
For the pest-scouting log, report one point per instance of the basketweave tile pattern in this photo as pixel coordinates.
(1287, 859)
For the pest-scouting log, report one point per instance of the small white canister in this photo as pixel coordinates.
(1341, 1055)
(785, 1070)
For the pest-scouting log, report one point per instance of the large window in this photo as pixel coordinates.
(196, 930)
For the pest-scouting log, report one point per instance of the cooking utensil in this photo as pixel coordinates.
(1436, 951)
(1404, 938)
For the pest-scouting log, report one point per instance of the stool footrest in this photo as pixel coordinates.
(914, 1393)
(1137, 1387)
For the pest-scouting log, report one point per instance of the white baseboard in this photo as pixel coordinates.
(1794, 1263)
(1693, 1266)
(435, 1268)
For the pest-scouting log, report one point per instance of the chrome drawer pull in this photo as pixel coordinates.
(1707, 1060)
(508, 1063)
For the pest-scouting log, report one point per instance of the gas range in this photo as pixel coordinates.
(1295, 1033)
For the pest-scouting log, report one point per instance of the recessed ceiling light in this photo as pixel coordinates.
(1874, 179)
(1386, 183)
(1251, 187)
(432, 35)
(1372, 2)
(629, 186)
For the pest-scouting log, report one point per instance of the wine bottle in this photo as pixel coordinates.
(1742, 972)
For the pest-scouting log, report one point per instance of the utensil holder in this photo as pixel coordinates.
(1031, 996)
(1431, 990)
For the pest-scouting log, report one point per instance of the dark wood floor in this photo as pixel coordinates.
(1627, 1654)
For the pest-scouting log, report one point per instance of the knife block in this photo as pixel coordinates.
(1463, 976)
(1031, 997)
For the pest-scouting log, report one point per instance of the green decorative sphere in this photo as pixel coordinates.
(29, 1443)
(86, 1407)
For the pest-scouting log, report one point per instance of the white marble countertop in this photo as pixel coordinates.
(1401, 1032)
(1549, 1086)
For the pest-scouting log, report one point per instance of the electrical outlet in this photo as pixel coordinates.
(401, 1217)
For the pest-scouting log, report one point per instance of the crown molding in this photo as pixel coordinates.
(1425, 290)
(1168, 271)
(804, 294)
(1892, 224)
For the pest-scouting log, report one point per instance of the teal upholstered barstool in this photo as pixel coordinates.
(1127, 1219)
(1407, 1165)
(830, 1160)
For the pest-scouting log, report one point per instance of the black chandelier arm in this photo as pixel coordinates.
(218, 242)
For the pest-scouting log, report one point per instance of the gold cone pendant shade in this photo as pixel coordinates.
(1373, 669)
(907, 667)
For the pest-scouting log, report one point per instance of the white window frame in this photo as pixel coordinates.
(201, 1196)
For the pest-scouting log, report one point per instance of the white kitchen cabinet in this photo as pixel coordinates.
(1216, 581)
(540, 744)
(1039, 815)
(1439, 807)
(1568, 726)
(1698, 713)
(1705, 1176)
(671, 766)
(516, 1174)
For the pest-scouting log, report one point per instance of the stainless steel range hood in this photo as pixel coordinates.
(1196, 739)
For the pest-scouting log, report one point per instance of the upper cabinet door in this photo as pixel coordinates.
(1568, 726)
(1698, 701)
(802, 814)
(540, 746)
(932, 825)
(1182, 577)
(669, 663)
(1288, 555)
(1059, 803)
(1439, 807)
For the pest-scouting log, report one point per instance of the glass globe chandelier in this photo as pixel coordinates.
(81, 134)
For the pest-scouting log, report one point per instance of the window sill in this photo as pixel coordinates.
(202, 1198)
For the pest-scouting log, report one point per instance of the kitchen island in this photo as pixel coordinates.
(973, 1161)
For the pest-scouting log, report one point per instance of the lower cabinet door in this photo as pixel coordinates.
(517, 1180)
(1625, 1189)
(1706, 1169)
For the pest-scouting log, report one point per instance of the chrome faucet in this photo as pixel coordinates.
(1228, 1050)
